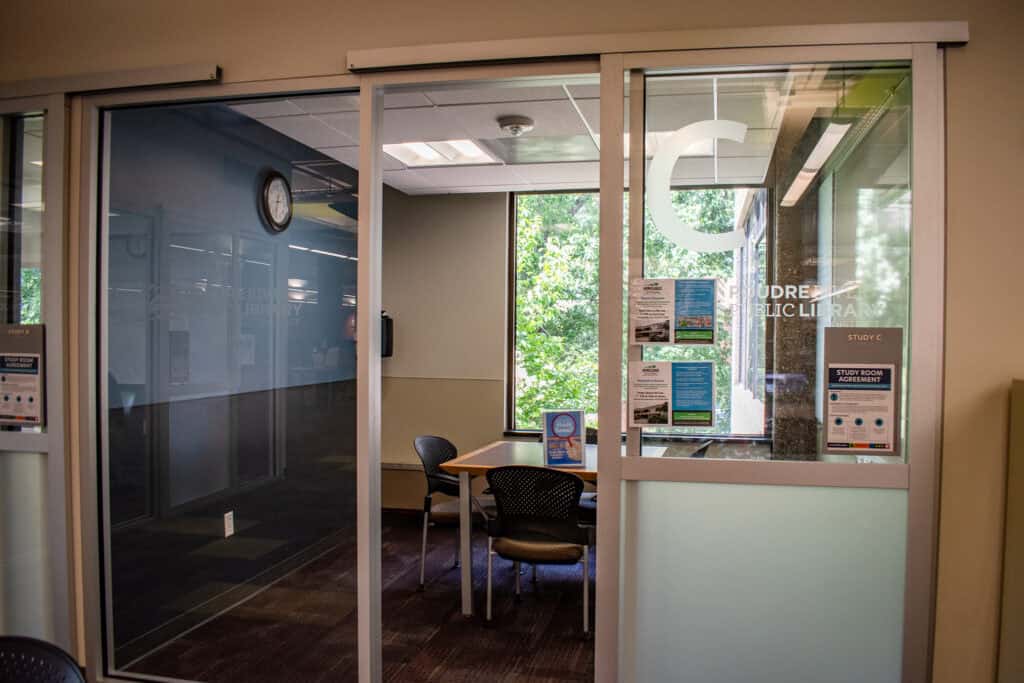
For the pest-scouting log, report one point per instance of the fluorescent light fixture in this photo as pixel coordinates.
(297, 282)
(467, 148)
(827, 144)
(439, 153)
(36, 163)
(424, 151)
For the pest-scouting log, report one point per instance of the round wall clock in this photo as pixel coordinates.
(276, 201)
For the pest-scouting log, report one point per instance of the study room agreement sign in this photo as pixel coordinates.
(862, 389)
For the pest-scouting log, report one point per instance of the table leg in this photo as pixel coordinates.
(465, 543)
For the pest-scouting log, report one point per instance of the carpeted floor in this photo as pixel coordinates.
(303, 627)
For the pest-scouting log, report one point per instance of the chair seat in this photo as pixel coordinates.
(541, 552)
(447, 511)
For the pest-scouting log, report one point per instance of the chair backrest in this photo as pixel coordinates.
(27, 660)
(433, 451)
(536, 501)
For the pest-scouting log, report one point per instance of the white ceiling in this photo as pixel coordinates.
(559, 153)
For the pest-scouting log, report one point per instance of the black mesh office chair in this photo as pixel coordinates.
(433, 452)
(538, 523)
(27, 660)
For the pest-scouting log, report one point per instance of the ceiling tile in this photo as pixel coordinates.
(326, 104)
(259, 110)
(551, 118)
(343, 122)
(672, 112)
(543, 149)
(422, 125)
(398, 100)
(583, 172)
(483, 95)
(309, 131)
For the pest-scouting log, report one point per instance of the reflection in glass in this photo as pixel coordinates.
(230, 370)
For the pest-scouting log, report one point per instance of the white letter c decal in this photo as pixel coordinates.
(659, 186)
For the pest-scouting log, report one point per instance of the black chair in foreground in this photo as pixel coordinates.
(538, 523)
(27, 660)
(434, 451)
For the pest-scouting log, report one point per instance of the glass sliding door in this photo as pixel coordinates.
(770, 511)
(229, 258)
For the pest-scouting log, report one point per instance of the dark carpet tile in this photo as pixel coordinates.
(303, 627)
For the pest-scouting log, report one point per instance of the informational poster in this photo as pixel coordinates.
(861, 389)
(672, 394)
(862, 406)
(664, 311)
(22, 380)
(695, 311)
(563, 438)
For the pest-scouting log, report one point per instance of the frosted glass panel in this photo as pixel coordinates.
(25, 595)
(775, 584)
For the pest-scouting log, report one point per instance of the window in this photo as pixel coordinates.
(555, 304)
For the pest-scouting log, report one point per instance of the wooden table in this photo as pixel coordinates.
(499, 454)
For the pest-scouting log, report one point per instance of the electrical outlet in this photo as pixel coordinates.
(229, 523)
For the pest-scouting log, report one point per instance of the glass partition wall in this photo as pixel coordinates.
(227, 364)
(228, 346)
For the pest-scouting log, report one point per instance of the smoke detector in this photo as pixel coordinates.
(515, 126)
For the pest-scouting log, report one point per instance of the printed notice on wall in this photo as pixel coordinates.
(862, 390)
(861, 407)
(22, 375)
(665, 311)
(20, 389)
(680, 394)
(563, 438)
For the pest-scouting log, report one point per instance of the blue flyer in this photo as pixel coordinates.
(693, 394)
(563, 438)
(695, 311)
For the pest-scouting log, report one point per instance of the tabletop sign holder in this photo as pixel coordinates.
(563, 438)
(862, 390)
(22, 375)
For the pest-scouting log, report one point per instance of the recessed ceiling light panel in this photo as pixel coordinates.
(440, 153)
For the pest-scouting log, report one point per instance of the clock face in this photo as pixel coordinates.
(277, 202)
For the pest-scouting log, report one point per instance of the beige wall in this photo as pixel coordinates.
(255, 39)
(444, 284)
